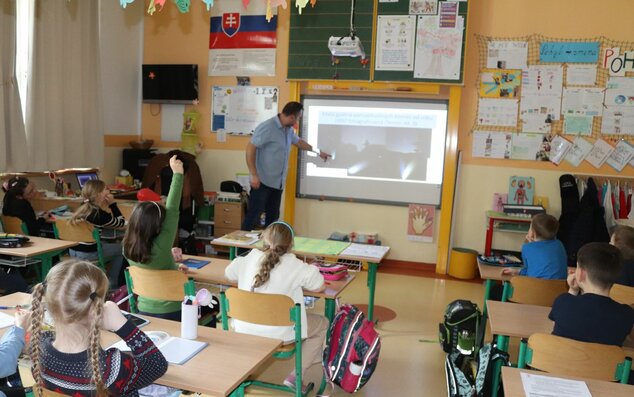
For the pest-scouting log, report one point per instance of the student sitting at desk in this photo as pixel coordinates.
(587, 313)
(70, 359)
(99, 209)
(11, 346)
(278, 271)
(543, 255)
(623, 239)
(18, 193)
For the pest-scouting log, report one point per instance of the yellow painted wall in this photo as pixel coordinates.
(171, 37)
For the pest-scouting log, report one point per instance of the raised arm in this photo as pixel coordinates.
(164, 241)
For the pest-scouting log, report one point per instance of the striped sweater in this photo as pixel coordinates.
(102, 219)
(123, 373)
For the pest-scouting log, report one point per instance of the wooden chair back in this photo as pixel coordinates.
(259, 308)
(536, 291)
(158, 284)
(622, 294)
(568, 357)
(12, 224)
(81, 232)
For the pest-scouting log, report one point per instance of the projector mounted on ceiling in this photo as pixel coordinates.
(347, 46)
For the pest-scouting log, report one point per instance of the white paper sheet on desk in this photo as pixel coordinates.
(547, 386)
(6, 320)
(365, 250)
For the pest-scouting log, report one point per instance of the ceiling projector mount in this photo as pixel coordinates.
(347, 46)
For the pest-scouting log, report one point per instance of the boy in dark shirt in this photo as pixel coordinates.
(593, 316)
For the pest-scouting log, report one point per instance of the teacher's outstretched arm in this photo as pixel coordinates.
(303, 145)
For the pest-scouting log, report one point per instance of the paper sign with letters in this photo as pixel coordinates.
(581, 75)
(569, 52)
(507, 54)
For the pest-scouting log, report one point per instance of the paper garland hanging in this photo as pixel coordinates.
(209, 4)
(300, 4)
(183, 5)
(124, 3)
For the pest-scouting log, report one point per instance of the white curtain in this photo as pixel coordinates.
(64, 120)
(13, 148)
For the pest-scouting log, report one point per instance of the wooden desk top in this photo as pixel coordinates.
(514, 319)
(214, 273)
(513, 384)
(38, 246)
(490, 272)
(217, 370)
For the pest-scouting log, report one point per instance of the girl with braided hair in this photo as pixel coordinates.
(276, 270)
(70, 359)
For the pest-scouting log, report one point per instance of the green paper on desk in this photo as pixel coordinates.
(318, 246)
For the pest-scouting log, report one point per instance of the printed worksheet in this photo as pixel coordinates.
(559, 146)
(535, 123)
(395, 42)
(599, 153)
(543, 79)
(490, 144)
(621, 156)
(543, 386)
(581, 74)
(507, 54)
(546, 105)
(525, 146)
(500, 112)
(582, 101)
(620, 92)
(578, 152)
(618, 120)
(578, 125)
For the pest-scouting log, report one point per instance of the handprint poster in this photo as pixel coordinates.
(420, 224)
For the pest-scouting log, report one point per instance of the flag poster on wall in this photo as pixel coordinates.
(241, 41)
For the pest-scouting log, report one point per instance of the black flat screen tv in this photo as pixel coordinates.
(170, 83)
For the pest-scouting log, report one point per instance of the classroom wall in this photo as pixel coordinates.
(483, 177)
(171, 37)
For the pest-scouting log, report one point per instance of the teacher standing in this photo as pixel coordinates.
(267, 158)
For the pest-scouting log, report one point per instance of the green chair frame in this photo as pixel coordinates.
(621, 371)
(296, 320)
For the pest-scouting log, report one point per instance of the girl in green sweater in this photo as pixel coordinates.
(149, 239)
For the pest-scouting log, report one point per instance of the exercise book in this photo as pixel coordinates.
(195, 263)
(176, 350)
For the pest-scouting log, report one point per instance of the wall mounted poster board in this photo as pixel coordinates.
(384, 150)
(238, 110)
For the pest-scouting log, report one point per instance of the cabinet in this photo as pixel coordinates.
(499, 221)
(228, 216)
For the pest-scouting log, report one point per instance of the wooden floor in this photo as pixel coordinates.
(411, 360)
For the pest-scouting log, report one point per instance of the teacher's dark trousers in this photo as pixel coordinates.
(264, 199)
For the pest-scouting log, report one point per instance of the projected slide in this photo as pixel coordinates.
(383, 151)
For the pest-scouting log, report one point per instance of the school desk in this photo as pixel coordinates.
(40, 248)
(335, 254)
(214, 273)
(513, 387)
(216, 370)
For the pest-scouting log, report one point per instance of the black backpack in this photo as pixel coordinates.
(12, 240)
(473, 376)
(460, 330)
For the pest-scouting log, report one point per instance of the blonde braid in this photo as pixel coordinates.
(271, 259)
(94, 350)
(37, 318)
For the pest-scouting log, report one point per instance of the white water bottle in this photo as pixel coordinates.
(189, 321)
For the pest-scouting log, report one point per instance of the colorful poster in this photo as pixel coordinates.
(438, 51)
(395, 42)
(581, 75)
(499, 199)
(543, 154)
(242, 42)
(507, 54)
(578, 125)
(239, 109)
(420, 223)
(500, 112)
(569, 52)
(579, 150)
(489, 144)
(423, 7)
(620, 92)
(521, 190)
(500, 83)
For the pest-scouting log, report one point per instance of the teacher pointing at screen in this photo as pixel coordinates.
(267, 158)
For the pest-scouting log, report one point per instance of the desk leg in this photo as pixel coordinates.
(47, 263)
(489, 238)
(232, 253)
(495, 383)
(506, 291)
(372, 269)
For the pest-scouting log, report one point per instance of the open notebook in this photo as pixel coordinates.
(176, 350)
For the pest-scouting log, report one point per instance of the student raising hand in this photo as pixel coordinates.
(176, 165)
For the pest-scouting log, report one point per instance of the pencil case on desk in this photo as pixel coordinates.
(332, 272)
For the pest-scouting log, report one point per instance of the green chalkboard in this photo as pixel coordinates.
(402, 8)
(308, 54)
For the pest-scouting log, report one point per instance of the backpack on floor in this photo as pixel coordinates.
(473, 376)
(460, 330)
(352, 351)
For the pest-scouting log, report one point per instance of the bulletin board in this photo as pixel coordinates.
(567, 101)
(239, 109)
(409, 41)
